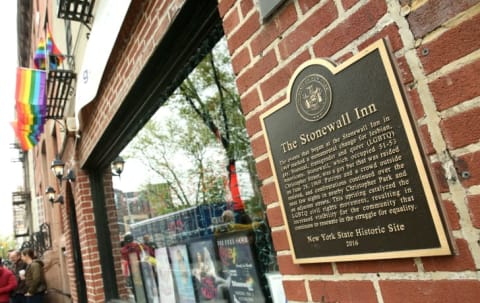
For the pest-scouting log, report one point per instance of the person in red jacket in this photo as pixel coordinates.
(8, 283)
(130, 246)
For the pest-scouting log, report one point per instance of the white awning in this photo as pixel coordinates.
(108, 20)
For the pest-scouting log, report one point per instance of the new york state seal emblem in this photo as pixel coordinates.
(313, 97)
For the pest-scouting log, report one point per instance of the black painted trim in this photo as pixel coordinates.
(103, 235)
(77, 253)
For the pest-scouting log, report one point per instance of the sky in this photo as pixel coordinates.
(10, 173)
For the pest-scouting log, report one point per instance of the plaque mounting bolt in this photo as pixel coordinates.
(465, 174)
(461, 167)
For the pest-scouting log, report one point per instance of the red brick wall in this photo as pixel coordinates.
(88, 239)
(114, 233)
(436, 45)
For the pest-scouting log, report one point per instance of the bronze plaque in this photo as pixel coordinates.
(350, 174)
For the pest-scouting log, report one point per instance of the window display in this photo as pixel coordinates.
(239, 266)
(166, 286)
(182, 273)
(210, 285)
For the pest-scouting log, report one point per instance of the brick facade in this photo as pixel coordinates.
(436, 47)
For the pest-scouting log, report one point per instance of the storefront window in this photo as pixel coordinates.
(193, 227)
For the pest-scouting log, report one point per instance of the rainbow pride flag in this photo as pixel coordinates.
(31, 106)
(50, 51)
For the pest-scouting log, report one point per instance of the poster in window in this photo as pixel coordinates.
(149, 282)
(239, 267)
(164, 272)
(182, 273)
(136, 276)
(210, 285)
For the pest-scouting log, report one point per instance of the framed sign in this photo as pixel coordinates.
(182, 273)
(239, 267)
(275, 284)
(166, 287)
(210, 284)
(149, 282)
(351, 177)
(136, 276)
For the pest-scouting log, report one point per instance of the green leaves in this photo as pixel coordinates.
(190, 140)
